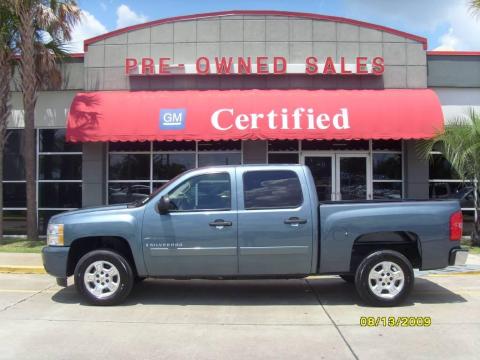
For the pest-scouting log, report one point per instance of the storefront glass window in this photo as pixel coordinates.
(136, 171)
(283, 145)
(389, 190)
(335, 145)
(119, 192)
(53, 140)
(13, 163)
(60, 167)
(59, 175)
(440, 168)
(219, 159)
(279, 158)
(387, 166)
(14, 195)
(167, 166)
(444, 183)
(129, 166)
(14, 222)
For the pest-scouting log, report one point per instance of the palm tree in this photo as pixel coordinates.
(44, 27)
(475, 6)
(7, 45)
(460, 145)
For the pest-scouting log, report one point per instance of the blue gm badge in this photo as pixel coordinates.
(172, 119)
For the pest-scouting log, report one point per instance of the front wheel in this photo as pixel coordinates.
(104, 277)
(384, 278)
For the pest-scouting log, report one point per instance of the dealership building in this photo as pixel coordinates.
(352, 100)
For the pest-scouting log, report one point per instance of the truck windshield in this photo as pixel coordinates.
(145, 200)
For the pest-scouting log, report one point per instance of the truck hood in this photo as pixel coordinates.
(54, 219)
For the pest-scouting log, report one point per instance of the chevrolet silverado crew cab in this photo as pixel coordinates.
(252, 221)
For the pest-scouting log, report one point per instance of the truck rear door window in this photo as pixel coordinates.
(271, 189)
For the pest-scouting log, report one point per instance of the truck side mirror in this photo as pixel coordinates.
(163, 205)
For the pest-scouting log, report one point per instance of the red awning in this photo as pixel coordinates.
(254, 114)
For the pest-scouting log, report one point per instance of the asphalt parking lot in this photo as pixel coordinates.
(269, 319)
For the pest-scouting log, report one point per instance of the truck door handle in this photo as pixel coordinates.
(220, 223)
(294, 221)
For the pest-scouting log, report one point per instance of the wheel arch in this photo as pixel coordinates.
(81, 246)
(405, 242)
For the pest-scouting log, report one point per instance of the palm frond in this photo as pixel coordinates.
(459, 144)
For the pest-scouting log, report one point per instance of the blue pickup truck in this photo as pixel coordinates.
(252, 221)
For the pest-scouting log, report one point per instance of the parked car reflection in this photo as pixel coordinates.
(125, 192)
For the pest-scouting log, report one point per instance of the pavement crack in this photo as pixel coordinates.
(317, 296)
(25, 298)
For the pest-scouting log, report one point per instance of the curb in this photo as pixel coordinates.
(472, 273)
(14, 269)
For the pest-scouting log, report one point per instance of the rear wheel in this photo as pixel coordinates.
(103, 277)
(384, 278)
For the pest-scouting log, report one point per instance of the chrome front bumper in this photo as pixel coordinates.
(458, 257)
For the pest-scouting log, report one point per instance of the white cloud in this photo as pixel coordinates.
(464, 31)
(127, 17)
(419, 17)
(448, 42)
(88, 27)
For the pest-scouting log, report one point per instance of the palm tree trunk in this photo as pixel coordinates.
(5, 94)
(29, 92)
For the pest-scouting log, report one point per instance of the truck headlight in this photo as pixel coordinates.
(55, 235)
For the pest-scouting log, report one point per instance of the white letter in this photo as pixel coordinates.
(214, 119)
(311, 122)
(254, 118)
(271, 119)
(242, 118)
(284, 117)
(296, 117)
(323, 121)
(344, 116)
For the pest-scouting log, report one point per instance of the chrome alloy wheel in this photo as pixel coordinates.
(101, 279)
(386, 279)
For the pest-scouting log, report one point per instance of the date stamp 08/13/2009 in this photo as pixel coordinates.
(395, 321)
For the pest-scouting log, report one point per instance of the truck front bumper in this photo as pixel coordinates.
(458, 257)
(55, 260)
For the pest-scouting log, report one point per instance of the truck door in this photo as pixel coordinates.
(274, 222)
(199, 234)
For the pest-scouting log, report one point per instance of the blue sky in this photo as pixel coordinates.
(448, 24)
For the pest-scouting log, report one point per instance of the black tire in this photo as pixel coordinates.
(348, 278)
(123, 278)
(385, 298)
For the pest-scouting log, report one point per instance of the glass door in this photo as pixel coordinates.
(353, 180)
(340, 176)
(323, 170)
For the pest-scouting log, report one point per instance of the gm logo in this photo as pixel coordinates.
(172, 119)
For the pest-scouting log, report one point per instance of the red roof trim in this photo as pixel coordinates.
(257, 12)
(453, 53)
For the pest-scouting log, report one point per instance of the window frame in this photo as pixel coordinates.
(38, 182)
(370, 152)
(151, 152)
(302, 202)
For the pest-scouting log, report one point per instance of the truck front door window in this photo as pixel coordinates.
(203, 192)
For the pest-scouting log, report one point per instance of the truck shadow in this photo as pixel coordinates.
(327, 291)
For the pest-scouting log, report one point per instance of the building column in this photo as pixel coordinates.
(93, 174)
(416, 172)
(254, 152)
